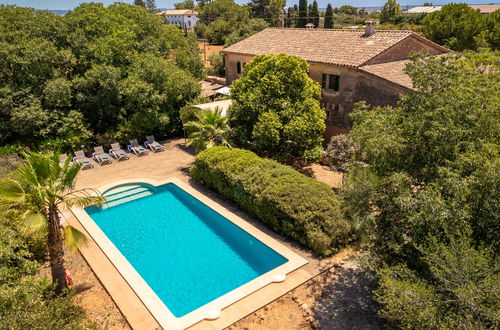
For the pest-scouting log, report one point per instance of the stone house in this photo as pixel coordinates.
(350, 65)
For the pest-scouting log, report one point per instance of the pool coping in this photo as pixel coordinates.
(213, 309)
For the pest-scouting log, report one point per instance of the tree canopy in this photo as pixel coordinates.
(276, 108)
(427, 196)
(95, 71)
(329, 17)
(221, 18)
(390, 11)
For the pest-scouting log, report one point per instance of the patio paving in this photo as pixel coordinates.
(174, 162)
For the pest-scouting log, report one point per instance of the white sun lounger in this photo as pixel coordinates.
(117, 152)
(62, 160)
(153, 145)
(100, 156)
(136, 148)
(82, 160)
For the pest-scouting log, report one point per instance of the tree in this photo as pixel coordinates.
(340, 152)
(390, 11)
(302, 14)
(223, 17)
(348, 10)
(315, 14)
(254, 25)
(274, 11)
(38, 189)
(258, 8)
(425, 199)
(276, 108)
(151, 6)
(62, 76)
(140, 3)
(187, 4)
(209, 130)
(329, 17)
(217, 65)
(455, 26)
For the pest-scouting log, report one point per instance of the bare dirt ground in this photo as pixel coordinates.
(339, 298)
(91, 296)
(325, 174)
(207, 50)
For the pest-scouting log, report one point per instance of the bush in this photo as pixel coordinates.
(290, 203)
(216, 65)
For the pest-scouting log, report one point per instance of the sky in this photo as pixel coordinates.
(69, 4)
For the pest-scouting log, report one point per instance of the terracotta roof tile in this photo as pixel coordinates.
(340, 47)
(391, 71)
(178, 12)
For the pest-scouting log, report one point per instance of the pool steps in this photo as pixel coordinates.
(125, 194)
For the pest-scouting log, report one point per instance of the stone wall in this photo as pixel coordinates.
(354, 86)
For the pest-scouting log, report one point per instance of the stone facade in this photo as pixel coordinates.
(354, 86)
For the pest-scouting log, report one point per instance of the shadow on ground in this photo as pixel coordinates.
(346, 301)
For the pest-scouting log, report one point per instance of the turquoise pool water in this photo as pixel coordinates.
(185, 251)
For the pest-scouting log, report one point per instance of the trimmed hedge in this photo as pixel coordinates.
(292, 204)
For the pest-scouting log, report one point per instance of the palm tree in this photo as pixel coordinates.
(210, 129)
(38, 188)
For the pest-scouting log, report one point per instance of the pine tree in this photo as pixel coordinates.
(390, 11)
(314, 14)
(288, 20)
(329, 17)
(140, 3)
(151, 6)
(302, 14)
(258, 8)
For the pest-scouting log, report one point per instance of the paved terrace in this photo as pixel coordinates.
(174, 162)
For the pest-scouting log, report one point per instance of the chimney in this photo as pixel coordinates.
(370, 27)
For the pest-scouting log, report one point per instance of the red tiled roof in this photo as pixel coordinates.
(339, 47)
(391, 71)
(178, 12)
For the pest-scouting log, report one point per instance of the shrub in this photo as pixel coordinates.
(290, 203)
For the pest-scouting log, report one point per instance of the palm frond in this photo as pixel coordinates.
(11, 191)
(84, 201)
(33, 223)
(74, 238)
(70, 174)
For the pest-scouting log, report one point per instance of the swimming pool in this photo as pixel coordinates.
(190, 257)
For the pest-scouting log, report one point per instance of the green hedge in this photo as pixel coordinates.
(292, 204)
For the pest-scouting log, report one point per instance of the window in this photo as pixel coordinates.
(238, 67)
(330, 81)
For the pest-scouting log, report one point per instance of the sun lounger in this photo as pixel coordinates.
(62, 160)
(82, 160)
(136, 148)
(117, 152)
(153, 145)
(100, 156)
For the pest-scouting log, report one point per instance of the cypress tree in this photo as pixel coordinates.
(309, 17)
(315, 14)
(302, 14)
(329, 17)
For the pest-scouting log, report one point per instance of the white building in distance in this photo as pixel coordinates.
(186, 18)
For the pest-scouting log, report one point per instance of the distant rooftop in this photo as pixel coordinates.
(178, 12)
(483, 9)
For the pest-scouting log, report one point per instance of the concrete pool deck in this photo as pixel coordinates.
(173, 162)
